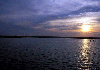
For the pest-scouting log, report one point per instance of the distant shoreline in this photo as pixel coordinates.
(48, 37)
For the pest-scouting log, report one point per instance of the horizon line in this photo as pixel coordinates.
(4, 36)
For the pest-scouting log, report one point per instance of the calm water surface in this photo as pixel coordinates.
(50, 54)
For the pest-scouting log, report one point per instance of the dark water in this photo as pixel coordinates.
(49, 54)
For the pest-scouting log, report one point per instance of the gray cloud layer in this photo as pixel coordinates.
(34, 13)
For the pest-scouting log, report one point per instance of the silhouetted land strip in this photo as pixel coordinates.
(48, 37)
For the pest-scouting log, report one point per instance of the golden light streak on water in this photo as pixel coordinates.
(85, 56)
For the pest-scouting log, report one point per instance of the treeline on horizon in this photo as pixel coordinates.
(2, 36)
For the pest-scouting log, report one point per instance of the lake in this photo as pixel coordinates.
(49, 54)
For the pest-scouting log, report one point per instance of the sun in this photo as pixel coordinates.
(85, 28)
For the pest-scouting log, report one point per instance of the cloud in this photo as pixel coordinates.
(73, 23)
(40, 11)
(44, 7)
(52, 15)
(59, 6)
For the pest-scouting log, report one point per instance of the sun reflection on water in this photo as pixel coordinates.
(85, 56)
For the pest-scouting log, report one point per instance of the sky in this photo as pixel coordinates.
(50, 17)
